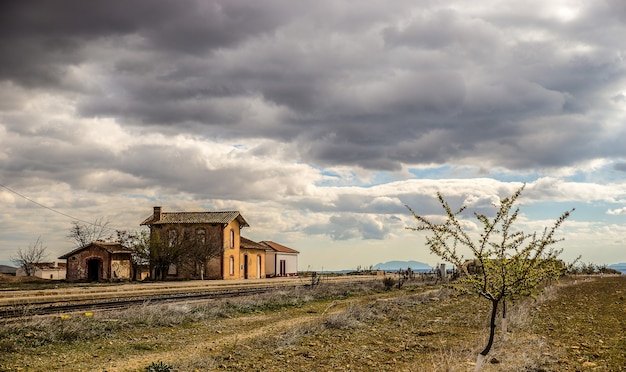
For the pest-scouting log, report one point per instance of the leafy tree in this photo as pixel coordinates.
(28, 258)
(507, 264)
(85, 233)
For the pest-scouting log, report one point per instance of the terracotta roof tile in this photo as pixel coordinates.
(197, 217)
(111, 247)
(246, 243)
(278, 247)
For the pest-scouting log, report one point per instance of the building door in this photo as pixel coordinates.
(283, 268)
(258, 266)
(245, 266)
(94, 270)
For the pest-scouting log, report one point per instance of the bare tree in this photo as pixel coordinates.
(29, 258)
(200, 248)
(84, 233)
(164, 254)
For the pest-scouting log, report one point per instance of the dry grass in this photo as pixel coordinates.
(575, 327)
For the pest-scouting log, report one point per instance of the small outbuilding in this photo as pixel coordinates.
(280, 260)
(252, 259)
(99, 261)
(46, 270)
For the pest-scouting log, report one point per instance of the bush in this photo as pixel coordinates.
(388, 282)
(159, 367)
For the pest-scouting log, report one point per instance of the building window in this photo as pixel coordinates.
(172, 269)
(232, 239)
(231, 266)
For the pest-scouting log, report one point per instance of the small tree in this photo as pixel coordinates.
(139, 243)
(507, 264)
(29, 258)
(164, 254)
(84, 233)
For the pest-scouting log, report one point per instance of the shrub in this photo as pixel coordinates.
(388, 282)
(159, 367)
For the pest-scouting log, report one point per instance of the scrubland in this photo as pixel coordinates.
(578, 324)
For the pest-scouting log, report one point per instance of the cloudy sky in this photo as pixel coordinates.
(318, 120)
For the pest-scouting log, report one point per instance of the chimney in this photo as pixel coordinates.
(157, 214)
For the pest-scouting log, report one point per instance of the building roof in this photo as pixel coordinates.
(278, 247)
(197, 217)
(246, 243)
(110, 247)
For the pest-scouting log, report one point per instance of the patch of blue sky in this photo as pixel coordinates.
(513, 177)
(468, 172)
(578, 176)
(329, 178)
(593, 211)
(380, 178)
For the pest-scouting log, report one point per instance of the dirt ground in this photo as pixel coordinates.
(579, 326)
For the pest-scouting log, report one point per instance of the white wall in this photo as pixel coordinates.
(291, 262)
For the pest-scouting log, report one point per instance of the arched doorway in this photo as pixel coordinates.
(258, 266)
(94, 269)
(245, 266)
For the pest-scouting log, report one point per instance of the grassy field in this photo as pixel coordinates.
(579, 324)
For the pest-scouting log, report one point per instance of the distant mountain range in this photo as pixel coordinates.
(420, 266)
(397, 265)
(621, 267)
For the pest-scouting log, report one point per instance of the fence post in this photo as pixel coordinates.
(442, 272)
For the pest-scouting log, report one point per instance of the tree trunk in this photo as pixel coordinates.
(492, 326)
(492, 330)
(504, 320)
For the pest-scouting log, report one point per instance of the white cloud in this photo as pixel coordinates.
(615, 212)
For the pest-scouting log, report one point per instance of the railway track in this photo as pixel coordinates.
(27, 311)
(27, 304)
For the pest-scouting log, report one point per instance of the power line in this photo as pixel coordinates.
(54, 210)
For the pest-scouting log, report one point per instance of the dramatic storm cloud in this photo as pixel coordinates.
(318, 120)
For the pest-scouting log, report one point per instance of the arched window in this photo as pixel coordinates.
(232, 239)
(231, 265)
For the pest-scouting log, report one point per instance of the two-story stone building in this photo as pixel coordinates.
(199, 244)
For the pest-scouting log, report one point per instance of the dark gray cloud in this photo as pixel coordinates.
(377, 87)
(42, 38)
(620, 167)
